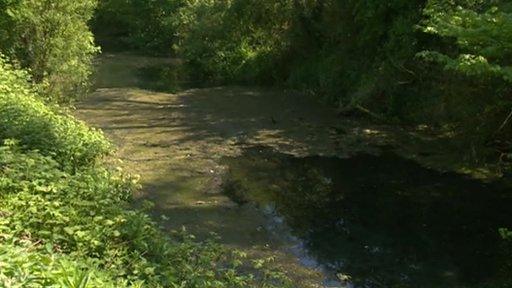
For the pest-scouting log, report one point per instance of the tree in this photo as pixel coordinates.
(482, 31)
(136, 24)
(51, 39)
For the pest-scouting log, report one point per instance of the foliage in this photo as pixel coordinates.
(135, 24)
(479, 49)
(52, 39)
(25, 266)
(83, 215)
(37, 126)
(232, 40)
(484, 37)
(344, 52)
(381, 55)
(356, 52)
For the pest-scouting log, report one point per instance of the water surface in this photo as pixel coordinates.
(383, 220)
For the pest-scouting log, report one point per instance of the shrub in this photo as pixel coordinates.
(139, 25)
(26, 266)
(483, 32)
(226, 41)
(26, 118)
(365, 53)
(52, 39)
(348, 52)
(479, 34)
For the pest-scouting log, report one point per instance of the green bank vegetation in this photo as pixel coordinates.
(439, 62)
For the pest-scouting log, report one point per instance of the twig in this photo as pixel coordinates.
(368, 112)
(505, 122)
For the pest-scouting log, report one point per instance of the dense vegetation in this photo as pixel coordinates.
(144, 26)
(439, 62)
(52, 39)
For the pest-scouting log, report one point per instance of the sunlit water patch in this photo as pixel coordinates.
(383, 221)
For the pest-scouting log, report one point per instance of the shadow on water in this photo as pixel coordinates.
(159, 74)
(383, 220)
(166, 78)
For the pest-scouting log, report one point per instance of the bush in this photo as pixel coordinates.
(146, 26)
(479, 34)
(482, 32)
(226, 41)
(26, 118)
(348, 52)
(382, 55)
(51, 39)
(26, 266)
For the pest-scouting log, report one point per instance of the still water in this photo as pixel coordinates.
(385, 221)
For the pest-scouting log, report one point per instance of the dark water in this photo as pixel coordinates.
(162, 78)
(383, 220)
(168, 78)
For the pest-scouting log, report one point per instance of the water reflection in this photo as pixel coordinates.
(167, 78)
(383, 220)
